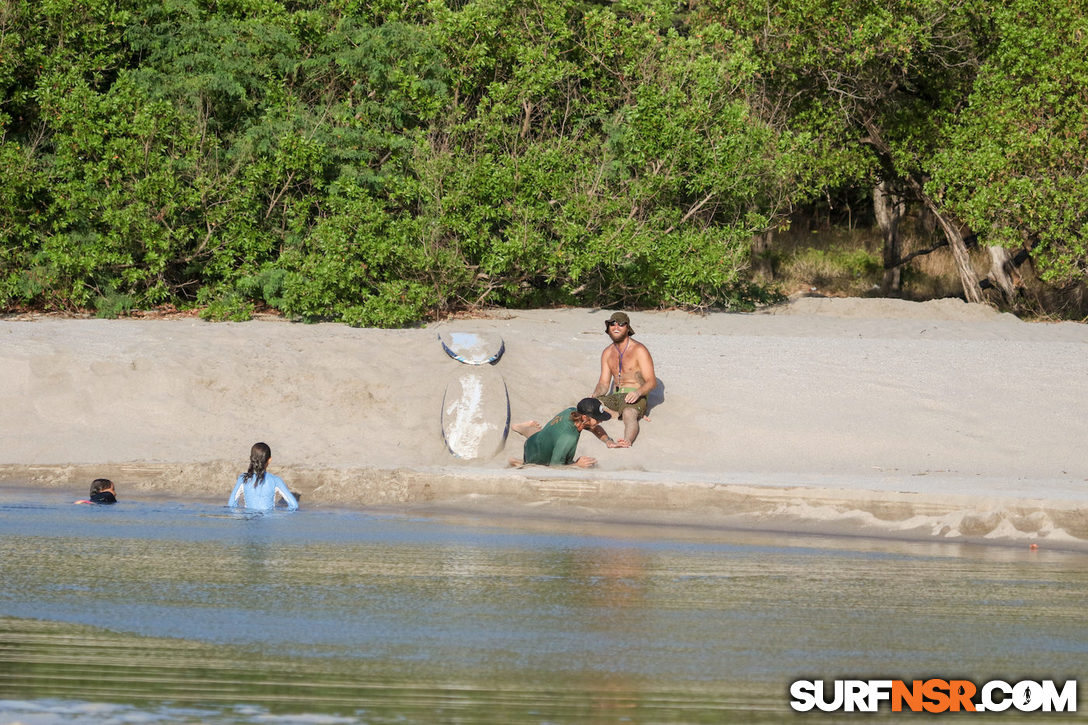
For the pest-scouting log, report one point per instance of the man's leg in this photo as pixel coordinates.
(630, 423)
(527, 428)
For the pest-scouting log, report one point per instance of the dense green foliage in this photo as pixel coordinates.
(383, 162)
(1016, 167)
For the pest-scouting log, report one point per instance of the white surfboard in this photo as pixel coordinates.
(472, 348)
(476, 414)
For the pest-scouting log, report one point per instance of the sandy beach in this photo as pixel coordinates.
(878, 417)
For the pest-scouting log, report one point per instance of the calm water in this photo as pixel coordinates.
(183, 612)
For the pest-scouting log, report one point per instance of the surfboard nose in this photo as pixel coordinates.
(472, 348)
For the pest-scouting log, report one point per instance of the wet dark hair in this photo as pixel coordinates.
(100, 484)
(258, 461)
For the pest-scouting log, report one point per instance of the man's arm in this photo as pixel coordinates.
(646, 369)
(598, 431)
(604, 383)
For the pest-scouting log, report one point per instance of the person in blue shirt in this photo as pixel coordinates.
(257, 488)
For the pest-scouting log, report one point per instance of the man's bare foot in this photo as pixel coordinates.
(516, 462)
(527, 428)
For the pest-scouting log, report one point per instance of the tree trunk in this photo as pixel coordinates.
(972, 291)
(927, 222)
(889, 209)
(1001, 268)
(760, 260)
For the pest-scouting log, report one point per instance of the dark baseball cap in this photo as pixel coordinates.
(593, 408)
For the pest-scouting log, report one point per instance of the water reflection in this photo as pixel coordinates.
(376, 618)
(55, 669)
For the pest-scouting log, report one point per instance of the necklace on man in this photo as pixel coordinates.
(623, 351)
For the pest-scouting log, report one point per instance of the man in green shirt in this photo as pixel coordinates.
(555, 443)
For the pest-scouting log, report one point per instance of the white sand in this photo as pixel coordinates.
(875, 416)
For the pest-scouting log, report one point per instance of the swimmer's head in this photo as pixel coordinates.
(260, 453)
(99, 485)
(258, 461)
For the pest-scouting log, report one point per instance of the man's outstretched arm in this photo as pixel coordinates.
(604, 383)
(601, 434)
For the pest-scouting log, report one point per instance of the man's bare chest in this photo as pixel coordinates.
(623, 361)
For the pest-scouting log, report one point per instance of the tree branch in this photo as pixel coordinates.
(695, 208)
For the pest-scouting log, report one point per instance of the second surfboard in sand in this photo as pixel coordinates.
(476, 414)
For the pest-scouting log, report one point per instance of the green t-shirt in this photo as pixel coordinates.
(555, 443)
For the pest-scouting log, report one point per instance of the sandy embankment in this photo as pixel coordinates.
(869, 416)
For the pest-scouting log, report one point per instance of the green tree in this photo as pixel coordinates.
(47, 49)
(381, 162)
(887, 78)
(1014, 168)
(608, 158)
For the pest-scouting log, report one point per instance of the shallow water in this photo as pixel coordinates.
(188, 612)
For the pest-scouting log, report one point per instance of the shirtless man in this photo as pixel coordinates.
(628, 365)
